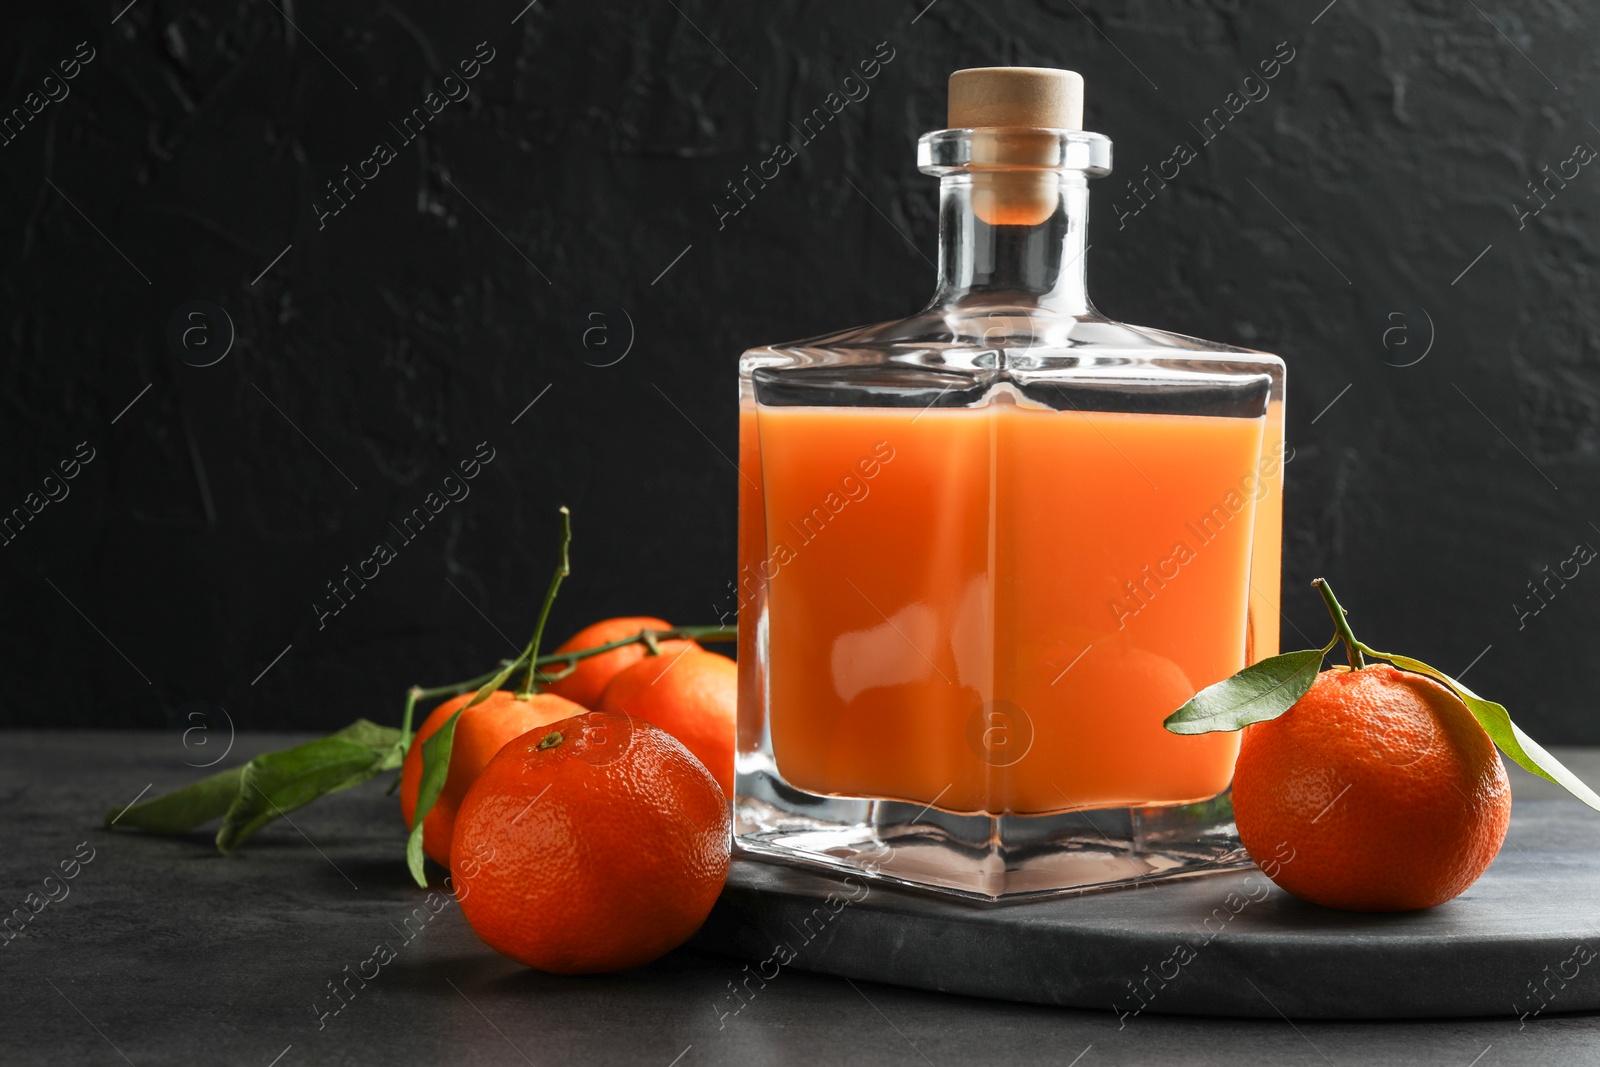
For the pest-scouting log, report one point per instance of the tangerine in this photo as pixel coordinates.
(595, 845)
(693, 695)
(589, 677)
(1376, 791)
(482, 730)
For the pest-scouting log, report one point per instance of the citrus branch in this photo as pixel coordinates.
(649, 638)
(707, 634)
(417, 692)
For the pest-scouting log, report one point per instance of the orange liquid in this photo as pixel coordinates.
(993, 609)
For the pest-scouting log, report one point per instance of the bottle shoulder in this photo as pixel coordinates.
(987, 338)
(997, 353)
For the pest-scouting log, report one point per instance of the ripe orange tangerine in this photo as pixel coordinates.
(596, 844)
(590, 676)
(1376, 791)
(693, 695)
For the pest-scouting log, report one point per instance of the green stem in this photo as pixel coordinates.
(699, 633)
(649, 638)
(676, 633)
(405, 720)
(563, 569)
(708, 634)
(417, 692)
(1353, 648)
(460, 687)
(643, 637)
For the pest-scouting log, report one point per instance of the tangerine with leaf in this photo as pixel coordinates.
(1374, 786)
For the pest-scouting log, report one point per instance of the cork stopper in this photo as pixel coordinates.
(987, 100)
(1016, 96)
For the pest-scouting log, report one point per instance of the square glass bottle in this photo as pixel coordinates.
(985, 550)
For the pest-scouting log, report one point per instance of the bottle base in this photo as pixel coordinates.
(981, 858)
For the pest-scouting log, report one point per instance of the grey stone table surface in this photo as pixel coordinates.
(159, 951)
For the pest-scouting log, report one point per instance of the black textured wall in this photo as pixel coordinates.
(1357, 211)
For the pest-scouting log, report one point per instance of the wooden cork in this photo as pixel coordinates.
(1016, 96)
(1007, 190)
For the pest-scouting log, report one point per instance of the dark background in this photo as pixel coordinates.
(423, 319)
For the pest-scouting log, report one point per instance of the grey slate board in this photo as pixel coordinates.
(1524, 940)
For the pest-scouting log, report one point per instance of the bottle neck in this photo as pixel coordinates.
(1014, 237)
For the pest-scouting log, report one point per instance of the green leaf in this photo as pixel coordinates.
(388, 742)
(212, 797)
(183, 809)
(435, 771)
(391, 759)
(280, 782)
(368, 733)
(1510, 739)
(1260, 692)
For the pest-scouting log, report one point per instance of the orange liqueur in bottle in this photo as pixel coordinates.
(986, 550)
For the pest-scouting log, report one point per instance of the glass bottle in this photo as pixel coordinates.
(987, 549)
